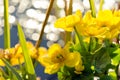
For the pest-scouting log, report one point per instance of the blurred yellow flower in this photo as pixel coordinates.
(67, 23)
(111, 20)
(15, 56)
(56, 57)
(31, 48)
(1, 63)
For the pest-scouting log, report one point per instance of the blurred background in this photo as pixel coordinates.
(31, 14)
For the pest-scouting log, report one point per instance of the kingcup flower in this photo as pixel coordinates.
(106, 24)
(106, 18)
(67, 23)
(88, 53)
(56, 57)
(14, 55)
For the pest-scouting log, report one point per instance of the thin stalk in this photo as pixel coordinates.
(6, 25)
(44, 23)
(70, 8)
(65, 8)
(80, 40)
(101, 5)
(68, 12)
(92, 7)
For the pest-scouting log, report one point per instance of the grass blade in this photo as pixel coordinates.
(27, 58)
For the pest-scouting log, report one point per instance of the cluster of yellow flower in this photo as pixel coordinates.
(106, 24)
(52, 59)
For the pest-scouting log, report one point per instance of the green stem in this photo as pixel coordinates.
(80, 40)
(92, 7)
(68, 12)
(6, 25)
(101, 5)
(44, 23)
(70, 8)
(65, 8)
(98, 49)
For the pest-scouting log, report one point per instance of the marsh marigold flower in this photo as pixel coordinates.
(67, 23)
(110, 20)
(89, 27)
(56, 57)
(14, 55)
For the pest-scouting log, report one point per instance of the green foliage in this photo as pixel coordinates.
(97, 61)
(16, 75)
(106, 77)
(116, 59)
(28, 60)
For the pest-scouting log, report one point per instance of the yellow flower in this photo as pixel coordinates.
(15, 56)
(18, 58)
(111, 20)
(56, 57)
(89, 28)
(67, 23)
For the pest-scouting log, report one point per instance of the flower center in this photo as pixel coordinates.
(58, 58)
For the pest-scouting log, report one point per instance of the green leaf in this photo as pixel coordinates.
(27, 58)
(112, 50)
(12, 69)
(6, 25)
(116, 59)
(102, 59)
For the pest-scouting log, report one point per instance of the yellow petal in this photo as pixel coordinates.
(78, 12)
(87, 17)
(44, 60)
(105, 18)
(51, 69)
(33, 52)
(43, 57)
(78, 69)
(16, 61)
(1, 63)
(67, 23)
(42, 51)
(72, 59)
